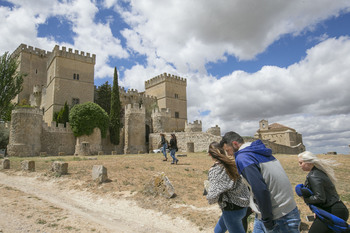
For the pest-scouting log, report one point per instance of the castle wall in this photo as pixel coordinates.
(108, 147)
(135, 129)
(283, 149)
(57, 139)
(160, 120)
(196, 126)
(93, 141)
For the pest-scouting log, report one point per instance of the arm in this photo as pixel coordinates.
(261, 193)
(219, 181)
(316, 185)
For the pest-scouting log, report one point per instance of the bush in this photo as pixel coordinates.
(83, 118)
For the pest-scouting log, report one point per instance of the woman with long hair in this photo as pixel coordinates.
(321, 181)
(228, 190)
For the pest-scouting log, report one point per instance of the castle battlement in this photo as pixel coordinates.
(134, 108)
(37, 89)
(59, 129)
(162, 110)
(165, 78)
(30, 49)
(196, 126)
(35, 111)
(57, 52)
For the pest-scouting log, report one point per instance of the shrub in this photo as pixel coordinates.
(83, 118)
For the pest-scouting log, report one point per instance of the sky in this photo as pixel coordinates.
(287, 62)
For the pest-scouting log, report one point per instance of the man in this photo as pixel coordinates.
(274, 204)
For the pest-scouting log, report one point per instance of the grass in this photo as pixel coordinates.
(130, 173)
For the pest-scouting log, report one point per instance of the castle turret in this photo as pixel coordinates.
(214, 130)
(160, 120)
(196, 126)
(135, 129)
(25, 132)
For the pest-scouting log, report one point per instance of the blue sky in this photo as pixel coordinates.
(244, 60)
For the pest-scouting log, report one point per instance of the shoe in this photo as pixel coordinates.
(177, 161)
(165, 159)
(172, 163)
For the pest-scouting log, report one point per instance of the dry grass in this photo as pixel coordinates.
(130, 173)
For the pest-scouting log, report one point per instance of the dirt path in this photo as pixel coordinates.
(28, 204)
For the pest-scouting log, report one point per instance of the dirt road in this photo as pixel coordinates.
(29, 204)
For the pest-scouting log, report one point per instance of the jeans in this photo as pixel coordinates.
(231, 220)
(164, 149)
(286, 224)
(172, 154)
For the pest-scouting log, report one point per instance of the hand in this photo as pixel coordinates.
(270, 225)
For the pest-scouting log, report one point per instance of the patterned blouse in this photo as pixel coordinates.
(223, 190)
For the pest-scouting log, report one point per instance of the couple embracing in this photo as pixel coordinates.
(246, 177)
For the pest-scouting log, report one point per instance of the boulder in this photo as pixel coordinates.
(99, 173)
(160, 185)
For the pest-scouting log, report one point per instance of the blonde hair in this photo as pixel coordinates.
(324, 165)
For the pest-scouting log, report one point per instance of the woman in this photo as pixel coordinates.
(173, 148)
(228, 190)
(164, 144)
(320, 180)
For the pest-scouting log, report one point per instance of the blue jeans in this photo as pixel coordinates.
(231, 220)
(172, 154)
(286, 224)
(164, 149)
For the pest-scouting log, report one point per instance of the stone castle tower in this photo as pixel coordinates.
(54, 78)
(170, 91)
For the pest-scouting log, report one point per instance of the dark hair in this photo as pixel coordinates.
(231, 137)
(218, 153)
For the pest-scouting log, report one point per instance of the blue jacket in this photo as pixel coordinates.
(272, 190)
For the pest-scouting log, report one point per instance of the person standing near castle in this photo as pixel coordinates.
(274, 204)
(164, 144)
(173, 148)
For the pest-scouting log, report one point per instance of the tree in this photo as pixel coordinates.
(63, 115)
(83, 118)
(103, 96)
(114, 116)
(10, 82)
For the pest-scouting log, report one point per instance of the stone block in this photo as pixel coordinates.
(99, 173)
(100, 153)
(5, 164)
(27, 165)
(181, 155)
(60, 168)
(43, 154)
(160, 185)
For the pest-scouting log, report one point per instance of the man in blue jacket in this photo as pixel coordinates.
(273, 202)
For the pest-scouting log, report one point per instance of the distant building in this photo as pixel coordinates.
(280, 135)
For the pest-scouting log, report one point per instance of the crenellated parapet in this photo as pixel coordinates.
(31, 50)
(163, 112)
(196, 126)
(57, 52)
(214, 130)
(57, 129)
(165, 78)
(134, 108)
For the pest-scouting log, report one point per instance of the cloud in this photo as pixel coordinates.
(190, 34)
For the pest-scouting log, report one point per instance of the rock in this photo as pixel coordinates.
(28, 165)
(5, 164)
(60, 168)
(99, 173)
(160, 185)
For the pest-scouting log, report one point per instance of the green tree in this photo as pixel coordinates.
(103, 96)
(10, 82)
(114, 116)
(62, 116)
(83, 118)
(4, 136)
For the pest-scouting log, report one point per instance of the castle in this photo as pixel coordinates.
(62, 75)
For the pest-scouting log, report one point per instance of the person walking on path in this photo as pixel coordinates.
(173, 148)
(164, 144)
(228, 190)
(273, 197)
(320, 180)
